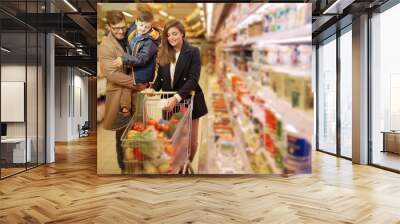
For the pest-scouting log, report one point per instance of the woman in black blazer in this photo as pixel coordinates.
(179, 70)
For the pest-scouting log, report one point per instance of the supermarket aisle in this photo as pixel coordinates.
(262, 99)
(200, 159)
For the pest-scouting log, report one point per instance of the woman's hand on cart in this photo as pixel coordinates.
(171, 103)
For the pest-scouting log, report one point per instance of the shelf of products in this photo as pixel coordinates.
(269, 22)
(228, 154)
(275, 136)
(299, 35)
(253, 127)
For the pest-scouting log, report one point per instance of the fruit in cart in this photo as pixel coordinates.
(161, 136)
(158, 127)
(174, 120)
(169, 149)
(165, 128)
(138, 126)
(146, 141)
(128, 153)
(137, 153)
(159, 160)
(131, 134)
(164, 167)
(149, 168)
(178, 116)
(152, 122)
(171, 130)
(183, 110)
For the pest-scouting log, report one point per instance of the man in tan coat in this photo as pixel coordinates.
(118, 79)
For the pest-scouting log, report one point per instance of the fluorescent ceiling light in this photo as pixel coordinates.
(64, 40)
(127, 14)
(86, 72)
(210, 9)
(164, 13)
(5, 49)
(70, 5)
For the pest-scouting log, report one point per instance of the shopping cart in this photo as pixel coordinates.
(156, 141)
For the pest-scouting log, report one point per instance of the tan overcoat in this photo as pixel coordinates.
(117, 79)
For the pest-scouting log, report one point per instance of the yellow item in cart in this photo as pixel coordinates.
(149, 168)
(128, 154)
(164, 167)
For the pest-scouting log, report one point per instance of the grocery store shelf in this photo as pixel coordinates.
(296, 120)
(237, 149)
(291, 70)
(271, 162)
(295, 40)
(300, 34)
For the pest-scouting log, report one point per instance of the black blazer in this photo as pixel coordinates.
(186, 79)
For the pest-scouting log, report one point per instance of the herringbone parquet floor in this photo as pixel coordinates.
(70, 191)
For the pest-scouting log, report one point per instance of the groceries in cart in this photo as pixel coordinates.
(149, 141)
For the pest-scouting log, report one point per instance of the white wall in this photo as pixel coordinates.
(11, 73)
(34, 125)
(61, 103)
(69, 85)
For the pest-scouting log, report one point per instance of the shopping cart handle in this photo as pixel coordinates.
(167, 92)
(160, 93)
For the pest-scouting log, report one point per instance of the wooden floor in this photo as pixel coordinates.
(70, 191)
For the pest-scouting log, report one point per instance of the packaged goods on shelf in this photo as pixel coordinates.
(286, 16)
(278, 82)
(228, 158)
(286, 55)
(258, 162)
(242, 34)
(258, 56)
(298, 159)
(301, 94)
(268, 65)
(272, 55)
(255, 28)
(304, 56)
(295, 89)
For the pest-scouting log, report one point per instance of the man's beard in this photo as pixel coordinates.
(115, 36)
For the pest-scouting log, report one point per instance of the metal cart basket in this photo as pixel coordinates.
(156, 141)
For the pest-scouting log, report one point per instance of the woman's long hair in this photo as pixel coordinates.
(166, 53)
